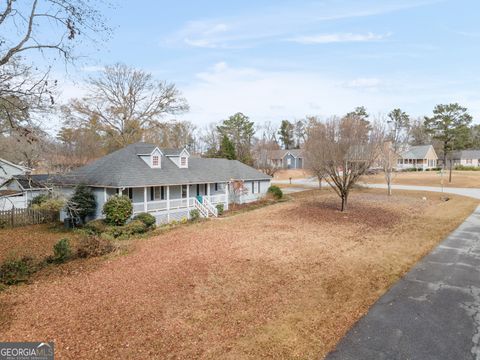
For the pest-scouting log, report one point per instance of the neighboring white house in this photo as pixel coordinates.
(466, 157)
(287, 159)
(419, 157)
(9, 169)
(19, 191)
(168, 183)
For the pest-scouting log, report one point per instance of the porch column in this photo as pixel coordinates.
(168, 203)
(105, 194)
(208, 192)
(145, 199)
(226, 195)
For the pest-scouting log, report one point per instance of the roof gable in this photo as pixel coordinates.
(124, 168)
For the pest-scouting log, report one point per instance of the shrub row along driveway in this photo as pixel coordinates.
(283, 281)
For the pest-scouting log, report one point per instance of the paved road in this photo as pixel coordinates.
(475, 193)
(432, 313)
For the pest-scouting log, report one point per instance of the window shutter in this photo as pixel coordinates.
(152, 193)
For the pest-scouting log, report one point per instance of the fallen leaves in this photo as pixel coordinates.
(283, 281)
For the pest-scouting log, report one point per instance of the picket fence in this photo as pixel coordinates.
(23, 217)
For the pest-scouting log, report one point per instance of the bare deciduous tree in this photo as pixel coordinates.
(262, 151)
(343, 149)
(52, 28)
(126, 101)
(387, 159)
(238, 189)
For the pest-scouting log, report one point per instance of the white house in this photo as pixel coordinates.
(466, 157)
(167, 182)
(19, 190)
(9, 169)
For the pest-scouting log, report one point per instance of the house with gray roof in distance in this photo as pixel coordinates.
(420, 157)
(168, 183)
(466, 157)
(18, 191)
(287, 159)
(9, 169)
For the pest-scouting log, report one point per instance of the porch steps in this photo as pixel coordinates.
(205, 208)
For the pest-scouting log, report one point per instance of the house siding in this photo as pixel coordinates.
(7, 171)
(260, 191)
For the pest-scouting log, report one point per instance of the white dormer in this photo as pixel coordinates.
(154, 159)
(180, 159)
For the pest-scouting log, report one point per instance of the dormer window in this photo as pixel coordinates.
(183, 161)
(155, 161)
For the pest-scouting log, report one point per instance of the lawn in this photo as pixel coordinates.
(461, 179)
(282, 281)
(35, 240)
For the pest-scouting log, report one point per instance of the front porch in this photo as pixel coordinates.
(174, 202)
(421, 164)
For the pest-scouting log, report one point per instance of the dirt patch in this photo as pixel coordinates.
(257, 285)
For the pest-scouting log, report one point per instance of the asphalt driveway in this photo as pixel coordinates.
(432, 313)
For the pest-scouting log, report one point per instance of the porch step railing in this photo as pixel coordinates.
(201, 208)
(210, 206)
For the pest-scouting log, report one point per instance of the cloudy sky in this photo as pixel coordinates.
(281, 59)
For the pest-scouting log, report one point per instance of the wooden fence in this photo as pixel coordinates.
(22, 217)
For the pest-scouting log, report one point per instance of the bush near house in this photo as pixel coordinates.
(148, 219)
(220, 209)
(48, 202)
(101, 228)
(83, 202)
(117, 210)
(94, 246)
(61, 251)
(275, 191)
(194, 215)
(467, 168)
(16, 271)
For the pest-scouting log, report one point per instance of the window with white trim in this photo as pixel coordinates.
(184, 191)
(155, 161)
(253, 187)
(157, 193)
(183, 161)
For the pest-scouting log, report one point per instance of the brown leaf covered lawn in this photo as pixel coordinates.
(283, 281)
(462, 179)
(35, 240)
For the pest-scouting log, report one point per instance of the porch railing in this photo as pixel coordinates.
(163, 205)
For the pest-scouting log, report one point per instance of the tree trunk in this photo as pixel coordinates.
(320, 183)
(344, 202)
(450, 172)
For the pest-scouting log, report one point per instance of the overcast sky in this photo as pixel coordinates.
(277, 60)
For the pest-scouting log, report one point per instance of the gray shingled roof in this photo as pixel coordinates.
(124, 168)
(416, 152)
(466, 154)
